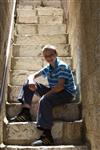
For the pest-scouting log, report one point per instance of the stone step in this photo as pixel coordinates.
(44, 15)
(33, 63)
(37, 3)
(35, 50)
(60, 147)
(13, 92)
(31, 29)
(18, 77)
(25, 133)
(67, 112)
(49, 11)
(41, 39)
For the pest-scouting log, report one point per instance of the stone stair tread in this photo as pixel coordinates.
(37, 29)
(67, 112)
(39, 39)
(35, 50)
(60, 147)
(23, 133)
(33, 63)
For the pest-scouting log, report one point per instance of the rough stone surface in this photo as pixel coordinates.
(87, 50)
(39, 39)
(35, 50)
(49, 11)
(25, 133)
(51, 20)
(51, 29)
(61, 147)
(18, 77)
(27, 63)
(68, 112)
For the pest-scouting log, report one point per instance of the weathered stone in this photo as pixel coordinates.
(40, 39)
(35, 50)
(51, 29)
(72, 134)
(53, 3)
(50, 20)
(49, 11)
(27, 63)
(25, 133)
(27, 20)
(61, 147)
(18, 77)
(26, 16)
(67, 112)
(33, 3)
(26, 29)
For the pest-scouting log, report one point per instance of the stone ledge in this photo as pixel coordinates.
(67, 112)
(25, 133)
(35, 50)
(61, 147)
(40, 39)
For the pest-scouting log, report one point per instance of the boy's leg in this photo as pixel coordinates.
(25, 97)
(47, 102)
(45, 118)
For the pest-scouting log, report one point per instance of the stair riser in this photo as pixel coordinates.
(39, 39)
(35, 50)
(25, 133)
(29, 29)
(35, 3)
(33, 63)
(68, 112)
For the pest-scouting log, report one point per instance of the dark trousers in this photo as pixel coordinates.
(46, 103)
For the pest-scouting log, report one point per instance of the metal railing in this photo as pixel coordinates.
(4, 76)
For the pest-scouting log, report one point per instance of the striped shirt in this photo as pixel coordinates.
(61, 71)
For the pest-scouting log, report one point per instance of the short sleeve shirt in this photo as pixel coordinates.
(61, 71)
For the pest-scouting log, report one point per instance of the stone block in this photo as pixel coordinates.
(26, 29)
(52, 3)
(51, 20)
(26, 16)
(33, 3)
(41, 39)
(67, 112)
(27, 63)
(49, 11)
(18, 77)
(72, 132)
(25, 133)
(35, 50)
(51, 29)
(27, 20)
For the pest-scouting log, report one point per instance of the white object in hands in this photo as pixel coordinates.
(31, 80)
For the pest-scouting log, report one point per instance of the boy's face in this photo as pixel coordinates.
(50, 56)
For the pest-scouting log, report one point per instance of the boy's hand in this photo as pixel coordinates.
(32, 87)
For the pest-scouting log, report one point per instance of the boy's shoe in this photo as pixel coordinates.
(44, 140)
(23, 116)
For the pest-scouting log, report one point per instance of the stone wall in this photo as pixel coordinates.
(5, 17)
(84, 30)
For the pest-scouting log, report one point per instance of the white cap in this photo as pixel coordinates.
(51, 47)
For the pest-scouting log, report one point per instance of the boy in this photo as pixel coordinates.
(61, 90)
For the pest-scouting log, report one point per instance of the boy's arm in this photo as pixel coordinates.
(58, 87)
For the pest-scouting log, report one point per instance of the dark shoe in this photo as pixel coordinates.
(23, 116)
(43, 141)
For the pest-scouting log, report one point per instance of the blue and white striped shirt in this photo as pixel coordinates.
(61, 70)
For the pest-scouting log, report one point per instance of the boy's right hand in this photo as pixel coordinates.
(32, 87)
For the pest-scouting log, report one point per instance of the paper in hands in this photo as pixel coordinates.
(31, 80)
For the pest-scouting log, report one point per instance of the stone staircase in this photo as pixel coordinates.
(35, 26)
